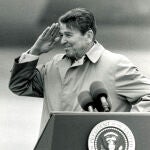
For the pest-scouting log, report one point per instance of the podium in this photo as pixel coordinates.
(72, 131)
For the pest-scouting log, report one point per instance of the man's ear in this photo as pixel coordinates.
(90, 35)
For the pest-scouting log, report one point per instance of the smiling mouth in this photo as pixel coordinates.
(67, 48)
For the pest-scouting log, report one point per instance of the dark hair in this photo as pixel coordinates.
(79, 18)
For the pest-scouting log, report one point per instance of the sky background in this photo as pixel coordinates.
(123, 27)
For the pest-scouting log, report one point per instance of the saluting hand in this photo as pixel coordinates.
(46, 40)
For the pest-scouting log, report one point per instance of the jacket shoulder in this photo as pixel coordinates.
(114, 57)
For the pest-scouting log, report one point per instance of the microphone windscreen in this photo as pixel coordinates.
(98, 90)
(85, 100)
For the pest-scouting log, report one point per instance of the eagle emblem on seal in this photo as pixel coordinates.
(111, 135)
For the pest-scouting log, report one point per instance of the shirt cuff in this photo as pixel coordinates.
(26, 57)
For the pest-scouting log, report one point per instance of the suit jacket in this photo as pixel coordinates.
(60, 82)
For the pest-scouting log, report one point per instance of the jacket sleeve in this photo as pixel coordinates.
(26, 79)
(130, 83)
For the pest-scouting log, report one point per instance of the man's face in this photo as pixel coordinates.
(73, 41)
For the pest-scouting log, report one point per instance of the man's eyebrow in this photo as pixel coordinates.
(66, 32)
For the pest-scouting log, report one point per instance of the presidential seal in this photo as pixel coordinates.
(111, 135)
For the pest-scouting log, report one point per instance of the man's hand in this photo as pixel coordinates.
(46, 40)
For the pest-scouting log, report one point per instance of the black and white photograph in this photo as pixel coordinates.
(74, 74)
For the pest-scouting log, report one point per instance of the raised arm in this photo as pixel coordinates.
(25, 78)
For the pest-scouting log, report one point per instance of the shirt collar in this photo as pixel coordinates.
(95, 52)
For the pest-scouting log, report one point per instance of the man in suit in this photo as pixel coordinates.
(65, 76)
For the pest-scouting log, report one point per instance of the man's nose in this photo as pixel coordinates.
(63, 40)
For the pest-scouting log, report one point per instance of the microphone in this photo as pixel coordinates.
(99, 94)
(86, 102)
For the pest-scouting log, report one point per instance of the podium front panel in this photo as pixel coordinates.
(70, 131)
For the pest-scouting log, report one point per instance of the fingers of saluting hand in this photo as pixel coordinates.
(50, 33)
(55, 31)
(43, 35)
